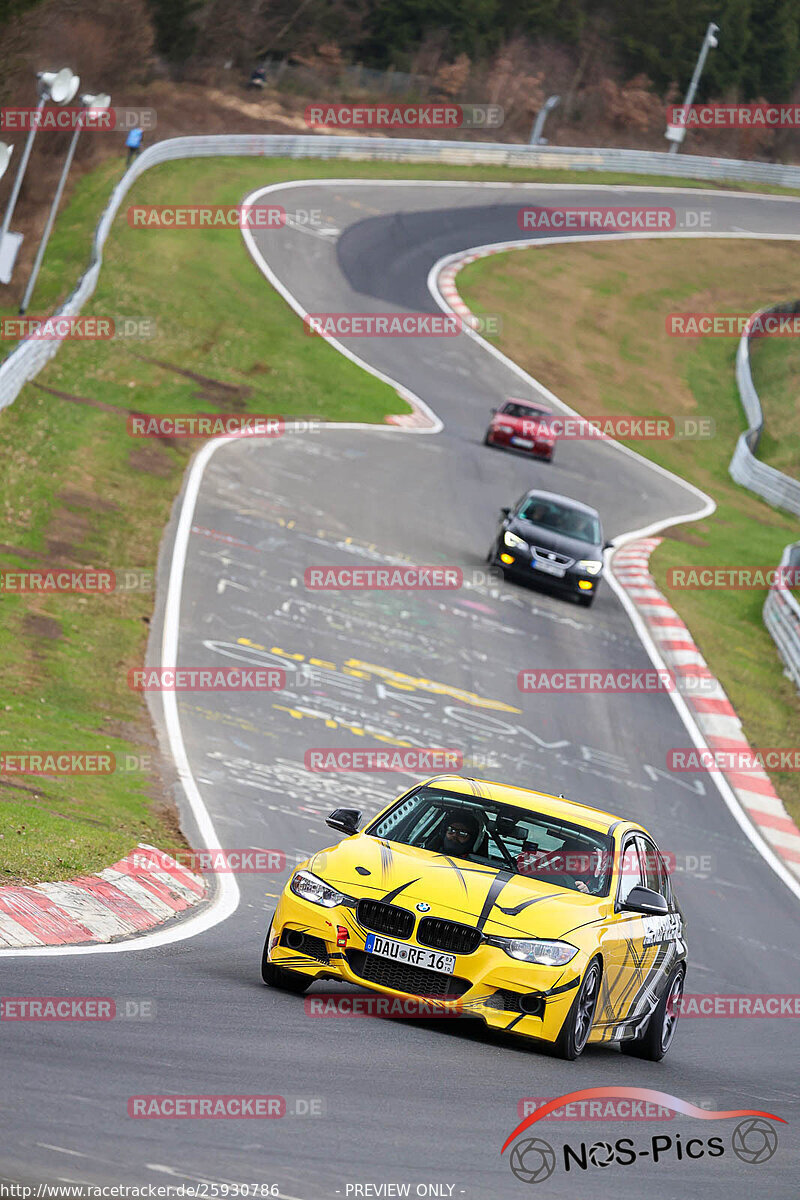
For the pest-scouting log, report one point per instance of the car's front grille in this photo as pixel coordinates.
(558, 560)
(385, 972)
(448, 935)
(508, 1001)
(305, 943)
(385, 918)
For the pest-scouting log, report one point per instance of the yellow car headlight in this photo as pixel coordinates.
(547, 954)
(308, 886)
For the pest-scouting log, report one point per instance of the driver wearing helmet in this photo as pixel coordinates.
(461, 835)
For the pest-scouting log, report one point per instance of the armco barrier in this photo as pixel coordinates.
(781, 610)
(775, 487)
(27, 359)
(782, 618)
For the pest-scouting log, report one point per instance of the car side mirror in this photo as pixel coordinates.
(345, 820)
(608, 545)
(492, 410)
(645, 900)
(506, 512)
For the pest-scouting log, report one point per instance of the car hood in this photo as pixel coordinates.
(535, 535)
(494, 900)
(518, 424)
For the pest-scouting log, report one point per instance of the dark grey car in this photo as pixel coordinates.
(552, 540)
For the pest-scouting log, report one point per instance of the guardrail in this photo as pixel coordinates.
(772, 485)
(27, 359)
(781, 609)
(782, 616)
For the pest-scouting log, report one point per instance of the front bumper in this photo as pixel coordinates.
(539, 449)
(574, 582)
(487, 983)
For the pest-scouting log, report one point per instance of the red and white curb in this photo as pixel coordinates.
(712, 711)
(122, 900)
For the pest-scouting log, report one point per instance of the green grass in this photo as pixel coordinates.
(775, 366)
(76, 491)
(588, 321)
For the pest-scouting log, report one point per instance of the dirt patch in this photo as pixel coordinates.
(678, 534)
(152, 461)
(65, 532)
(231, 397)
(110, 408)
(84, 500)
(37, 626)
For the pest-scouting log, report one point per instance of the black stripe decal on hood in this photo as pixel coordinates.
(495, 888)
(389, 897)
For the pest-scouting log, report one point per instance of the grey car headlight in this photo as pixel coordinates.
(511, 539)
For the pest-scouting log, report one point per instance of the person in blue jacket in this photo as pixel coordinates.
(134, 143)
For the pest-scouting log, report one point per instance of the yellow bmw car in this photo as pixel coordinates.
(543, 917)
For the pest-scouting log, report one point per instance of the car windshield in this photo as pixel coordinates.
(510, 409)
(501, 836)
(572, 522)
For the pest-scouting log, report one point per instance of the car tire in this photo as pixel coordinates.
(586, 601)
(578, 1024)
(657, 1038)
(277, 977)
(486, 440)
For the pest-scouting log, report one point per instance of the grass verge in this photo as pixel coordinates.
(75, 492)
(608, 305)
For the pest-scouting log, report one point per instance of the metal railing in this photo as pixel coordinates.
(772, 485)
(781, 611)
(782, 615)
(27, 359)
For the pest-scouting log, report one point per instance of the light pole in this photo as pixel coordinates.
(536, 138)
(92, 104)
(59, 87)
(5, 157)
(676, 133)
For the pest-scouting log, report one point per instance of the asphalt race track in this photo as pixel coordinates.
(406, 1102)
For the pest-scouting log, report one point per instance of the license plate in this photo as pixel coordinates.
(523, 442)
(549, 568)
(415, 956)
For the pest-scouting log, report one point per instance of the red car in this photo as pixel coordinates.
(522, 425)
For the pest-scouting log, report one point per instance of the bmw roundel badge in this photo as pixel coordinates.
(423, 907)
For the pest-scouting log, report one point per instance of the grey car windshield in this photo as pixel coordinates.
(504, 837)
(559, 518)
